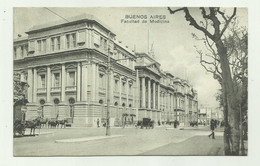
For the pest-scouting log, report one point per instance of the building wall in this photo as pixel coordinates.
(66, 70)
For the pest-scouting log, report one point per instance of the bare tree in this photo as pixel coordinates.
(218, 60)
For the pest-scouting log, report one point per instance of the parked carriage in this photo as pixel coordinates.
(146, 122)
(21, 125)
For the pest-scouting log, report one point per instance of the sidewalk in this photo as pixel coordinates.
(197, 146)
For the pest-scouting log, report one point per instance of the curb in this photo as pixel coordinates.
(86, 139)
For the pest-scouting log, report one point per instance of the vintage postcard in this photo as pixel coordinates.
(154, 81)
(129, 84)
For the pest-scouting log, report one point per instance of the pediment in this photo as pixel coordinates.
(56, 67)
(154, 67)
(71, 66)
(42, 69)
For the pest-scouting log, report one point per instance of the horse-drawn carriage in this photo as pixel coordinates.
(21, 125)
(146, 122)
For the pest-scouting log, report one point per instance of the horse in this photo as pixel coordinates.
(44, 122)
(62, 123)
(52, 123)
(139, 123)
(32, 125)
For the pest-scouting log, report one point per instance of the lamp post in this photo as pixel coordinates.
(108, 88)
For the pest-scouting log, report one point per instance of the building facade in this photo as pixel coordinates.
(65, 66)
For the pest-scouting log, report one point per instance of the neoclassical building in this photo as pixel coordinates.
(65, 66)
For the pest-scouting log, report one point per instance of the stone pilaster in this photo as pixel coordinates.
(85, 79)
(159, 98)
(48, 90)
(154, 95)
(149, 93)
(79, 81)
(143, 92)
(63, 82)
(35, 85)
(93, 82)
(30, 82)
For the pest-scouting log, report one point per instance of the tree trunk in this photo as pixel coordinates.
(233, 110)
(226, 124)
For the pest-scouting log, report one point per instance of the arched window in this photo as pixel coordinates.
(130, 105)
(71, 102)
(42, 102)
(56, 101)
(116, 104)
(56, 110)
(123, 105)
(101, 101)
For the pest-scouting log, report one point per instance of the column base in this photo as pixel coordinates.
(32, 111)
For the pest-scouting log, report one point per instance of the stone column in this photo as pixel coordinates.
(93, 82)
(79, 81)
(63, 82)
(84, 81)
(48, 90)
(143, 92)
(127, 88)
(112, 84)
(170, 102)
(154, 95)
(35, 85)
(149, 93)
(120, 91)
(97, 83)
(30, 82)
(159, 98)
(137, 93)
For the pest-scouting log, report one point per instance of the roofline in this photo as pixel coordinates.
(69, 23)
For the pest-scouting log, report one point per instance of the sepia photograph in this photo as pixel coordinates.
(130, 81)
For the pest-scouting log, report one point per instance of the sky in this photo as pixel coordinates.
(173, 44)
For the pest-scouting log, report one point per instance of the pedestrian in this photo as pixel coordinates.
(97, 122)
(212, 128)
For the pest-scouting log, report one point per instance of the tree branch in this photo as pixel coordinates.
(192, 21)
(227, 22)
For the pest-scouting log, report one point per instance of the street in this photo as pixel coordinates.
(158, 141)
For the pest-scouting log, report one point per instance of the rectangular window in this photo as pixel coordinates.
(52, 44)
(73, 39)
(42, 80)
(116, 85)
(25, 50)
(130, 90)
(15, 53)
(123, 87)
(56, 79)
(44, 45)
(68, 41)
(39, 45)
(101, 42)
(71, 80)
(58, 43)
(101, 82)
(105, 44)
(22, 51)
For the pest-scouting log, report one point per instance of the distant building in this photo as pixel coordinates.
(65, 65)
(207, 113)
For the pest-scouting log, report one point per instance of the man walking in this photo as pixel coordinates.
(97, 122)
(212, 128)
